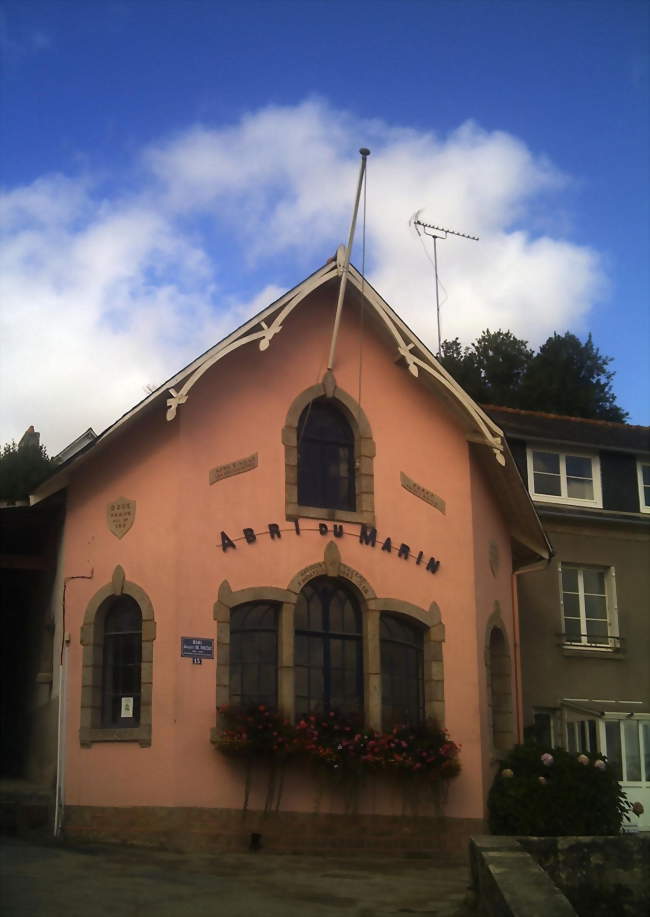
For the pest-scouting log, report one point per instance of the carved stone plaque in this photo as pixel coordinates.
(418, 491)
(120, 515)
(232, 468)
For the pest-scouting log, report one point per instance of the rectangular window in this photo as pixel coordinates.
(581, 736)
(588, 606)
(564, 477)
(627, 747)
(643, 473)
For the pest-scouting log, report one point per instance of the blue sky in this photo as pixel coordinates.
(168, 167)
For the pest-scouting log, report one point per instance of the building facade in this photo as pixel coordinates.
(341, 539)
(585, 618)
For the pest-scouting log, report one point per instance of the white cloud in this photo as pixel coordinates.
(103, 294)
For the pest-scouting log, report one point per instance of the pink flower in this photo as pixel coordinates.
(600, 764)
(583, 759)
(506, 772)
(637, 808)
(547, 759)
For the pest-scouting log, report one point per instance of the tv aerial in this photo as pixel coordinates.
(436, 232)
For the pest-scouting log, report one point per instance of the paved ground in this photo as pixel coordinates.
(47, 880)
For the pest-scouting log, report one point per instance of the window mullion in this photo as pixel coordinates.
(582, 606)
(621, 732)
(563, 478)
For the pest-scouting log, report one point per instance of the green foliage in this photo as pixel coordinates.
(22, 468)
(569, 377)
(565, 376)
(570, 795)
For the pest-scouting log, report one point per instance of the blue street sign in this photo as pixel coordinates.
(197, 647)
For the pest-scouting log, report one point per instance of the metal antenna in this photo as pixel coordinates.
(436, 232)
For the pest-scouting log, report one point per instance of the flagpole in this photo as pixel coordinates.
(344, 276)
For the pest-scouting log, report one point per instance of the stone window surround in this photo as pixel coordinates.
(92, 640)
(364, 452)
(499, 684)
(371, 606)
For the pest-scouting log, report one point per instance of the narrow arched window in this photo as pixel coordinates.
(402, 659)
(501, 702)
(325, 457)
(254, 654)
(327, 661)
(122, 663)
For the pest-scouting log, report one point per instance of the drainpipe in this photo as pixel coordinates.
(61, 737)
(59, 798)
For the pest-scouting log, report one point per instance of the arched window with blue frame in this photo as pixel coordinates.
(328, 649)
(326, 457)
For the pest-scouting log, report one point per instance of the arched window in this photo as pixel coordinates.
(122, 663)
(327, 650)
(501, 702)
(402, 663)
(254, 654)
(326, 461)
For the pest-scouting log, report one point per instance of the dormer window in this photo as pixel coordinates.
(556, 476)
(326, 461)
(643, 473)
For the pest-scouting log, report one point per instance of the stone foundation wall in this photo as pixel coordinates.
(215, 830)
(601, 876)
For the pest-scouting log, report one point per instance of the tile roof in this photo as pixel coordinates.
(538, 425)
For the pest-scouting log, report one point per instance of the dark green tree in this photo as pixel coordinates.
(568, 377)
(503, 360)
(23, 467)
(460, 362)
(565, 376)
(491, 369)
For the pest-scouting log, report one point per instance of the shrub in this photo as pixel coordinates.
(544, 794)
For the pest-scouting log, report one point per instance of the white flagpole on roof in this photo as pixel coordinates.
(344, 276)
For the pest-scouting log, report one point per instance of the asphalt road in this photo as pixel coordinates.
(52, 880)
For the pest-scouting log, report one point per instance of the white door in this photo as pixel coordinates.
(626, 742)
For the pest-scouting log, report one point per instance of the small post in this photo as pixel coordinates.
(344, 276)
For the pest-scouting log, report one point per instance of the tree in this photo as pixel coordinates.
(568, 377)
(503, 361)
(461, 363)
(565, 376)
(23, 467)
(491, 369)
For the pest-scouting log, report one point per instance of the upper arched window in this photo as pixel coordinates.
(326, 460)
(121, 672)
(328, 667)
(402, 663)
(253, 654)
(499, 684)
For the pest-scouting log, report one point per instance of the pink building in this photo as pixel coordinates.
(340, 539)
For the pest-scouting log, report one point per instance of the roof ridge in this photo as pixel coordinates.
(593, 420)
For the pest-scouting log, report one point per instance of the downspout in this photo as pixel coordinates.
(60, 745)
(59, 797)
